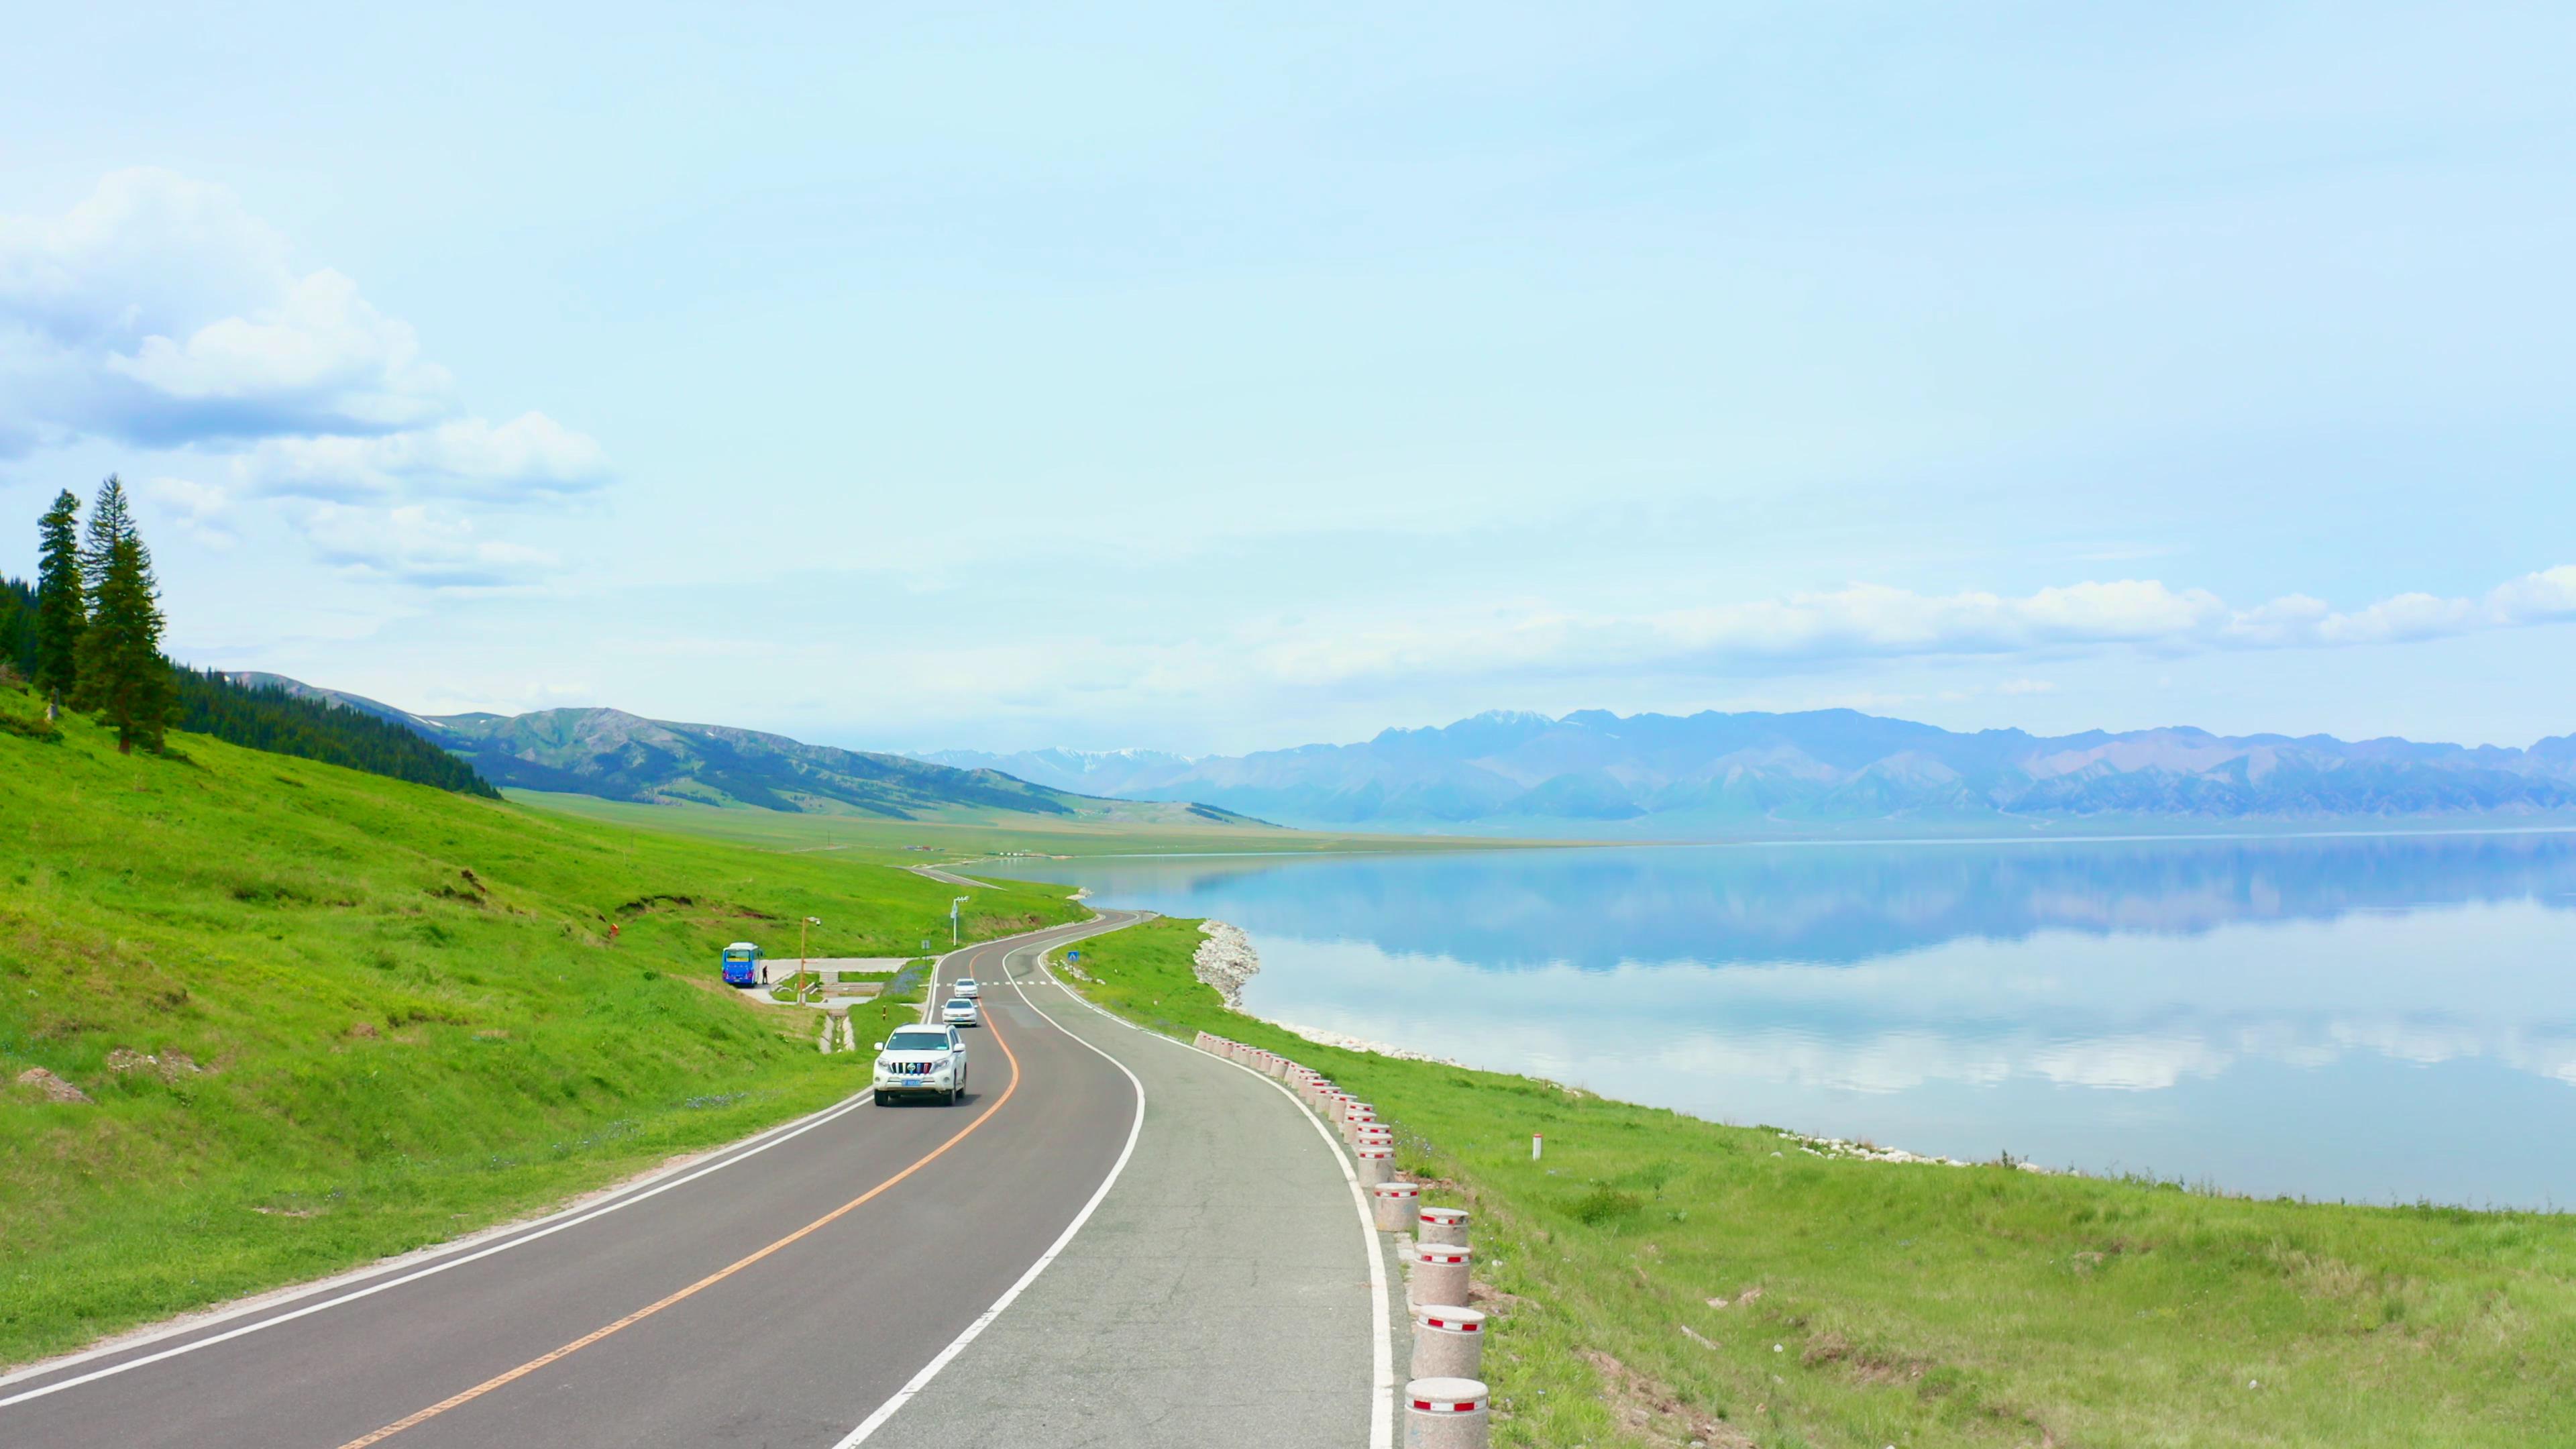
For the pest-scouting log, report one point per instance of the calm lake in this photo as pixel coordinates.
(2369, 1018)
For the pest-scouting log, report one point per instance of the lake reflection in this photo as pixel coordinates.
(2370, 1018)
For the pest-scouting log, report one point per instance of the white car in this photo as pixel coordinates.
(921, 1061)
(961, 1012)
(967, 988)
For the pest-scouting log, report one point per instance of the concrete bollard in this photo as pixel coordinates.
(1445, 1414)
(1376, 1164)
(1440, 1273)
(1441, 1225)
(1448, 1342)
(1354, 1117)
(1373, 1134)
(1393, 1204)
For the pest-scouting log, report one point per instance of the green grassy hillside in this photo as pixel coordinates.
(1665, 1280)
(321, 1016)
(614, 755)
(862, 838)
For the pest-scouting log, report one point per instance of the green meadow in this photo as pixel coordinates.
(321, 1016)
(1664, 1280)
(861, 837)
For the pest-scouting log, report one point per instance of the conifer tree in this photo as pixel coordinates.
(62, 601)
(122, 674)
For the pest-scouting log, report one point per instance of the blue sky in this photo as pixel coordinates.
(1151, 376)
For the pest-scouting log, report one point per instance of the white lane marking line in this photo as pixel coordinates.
(544, 1228)
(655, 1180)
(1382, 1345)
(974, 1330)
(372, 1289)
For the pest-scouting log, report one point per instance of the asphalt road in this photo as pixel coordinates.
(777, 1294)
(1221, 1294)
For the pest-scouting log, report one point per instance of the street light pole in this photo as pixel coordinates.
(952, 917)
(800, 956)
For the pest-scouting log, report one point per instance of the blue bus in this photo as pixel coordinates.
(742, 964)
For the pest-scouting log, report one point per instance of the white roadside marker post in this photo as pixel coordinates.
(1448, 1342)
(1440, 1273)
(1442, 1225)
(1535, 1140)
(1393, 1204)
(1445, 1414)
(1354, 1116)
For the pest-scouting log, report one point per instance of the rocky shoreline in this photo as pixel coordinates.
(1226, 960)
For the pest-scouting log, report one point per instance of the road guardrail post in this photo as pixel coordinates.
(1393, 1205)
(1442, 1225)
(1448, 1342)
(1445, 1414)
(1440, 1273)
(1354, 1116)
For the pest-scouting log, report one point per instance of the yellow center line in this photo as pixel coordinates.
(718, 1276)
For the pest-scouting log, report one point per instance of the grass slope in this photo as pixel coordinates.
(1879, 1303)
(919, 840)
(619, 756)
(325, 1016)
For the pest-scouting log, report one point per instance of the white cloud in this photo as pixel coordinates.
(1874, 621)
(419, 544)
(531, 453)
(201, 508)
(321, 352)
(159, 311)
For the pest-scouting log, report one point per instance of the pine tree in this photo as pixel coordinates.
(17, 631)
(62, 602)
(122, 674)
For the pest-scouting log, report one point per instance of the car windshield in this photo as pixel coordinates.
(918, 1041)
(962, 1001)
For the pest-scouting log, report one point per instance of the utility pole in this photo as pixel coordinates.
(952, 917)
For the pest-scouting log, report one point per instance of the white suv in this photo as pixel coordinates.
(921, 1061)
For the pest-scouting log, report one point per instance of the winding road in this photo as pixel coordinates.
(1041, 1264)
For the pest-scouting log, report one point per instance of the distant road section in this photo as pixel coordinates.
(933, 872)
(790, 1289)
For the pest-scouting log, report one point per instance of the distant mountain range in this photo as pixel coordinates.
(619, 756)
(1593, 773)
